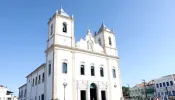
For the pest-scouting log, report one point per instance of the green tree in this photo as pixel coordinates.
(126, 92)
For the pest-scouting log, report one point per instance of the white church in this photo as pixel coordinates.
(85, 70)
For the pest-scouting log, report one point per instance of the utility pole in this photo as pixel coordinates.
(145, 89)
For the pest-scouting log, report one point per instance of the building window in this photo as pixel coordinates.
(51, 29)
(101, 72)
(64, 27)
(49, 68)
(160, 84)
(92, 71)
(33, 82)
(167, 83)
(43, 77)
(82, 70)
(36, 81)
(171, 83)
(99, 41)
(163, 84)
(169, 92)
(35, 97)
(114, 73)
(157, 85)
(39, 97)
(42, 97)
(110, 43)
(39, 79)
(64, 65)
(173, 92)
(25, 93)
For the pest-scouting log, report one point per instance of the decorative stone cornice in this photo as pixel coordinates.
(80, 50)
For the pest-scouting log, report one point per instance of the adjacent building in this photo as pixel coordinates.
(22, 92)
(84, 70)
(165, 86)
(143, 90)
(5, 94)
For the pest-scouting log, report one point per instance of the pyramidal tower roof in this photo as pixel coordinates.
(103, 27)
(62, 12)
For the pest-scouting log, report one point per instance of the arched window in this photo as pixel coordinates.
(82, 70)
(114, 73)
(65, 27)
(99, 41)
(92, 71)
(64, 65)
(110, 43)
(101, 72)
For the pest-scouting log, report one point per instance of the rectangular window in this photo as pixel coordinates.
(36, 81)
(35, 97)
(43, 78)
(103, 95)
(92, 71)
(169, 92)
(157, 85)
(25, 93)
(167, 83)
(171, 83)
(49, 68)
(101, 72)
(64, 68)
(83, 95)
(39, 79)
(33, 82)
(42, 97)
(51, 29)
(39, 97)
(163, 84)
(113, 72)
(160, 84)
(158, 94)
(82, 70)
(173, 93)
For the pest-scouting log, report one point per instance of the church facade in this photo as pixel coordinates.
(84, 70)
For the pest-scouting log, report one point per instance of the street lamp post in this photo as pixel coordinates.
(145, 89)
(64, 84)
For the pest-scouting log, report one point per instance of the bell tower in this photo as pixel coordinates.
(61, 29)
(106, 38)
(60, 33)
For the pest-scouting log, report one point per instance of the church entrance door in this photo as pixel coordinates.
(93, 92)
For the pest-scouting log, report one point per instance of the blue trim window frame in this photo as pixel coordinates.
(164, 84)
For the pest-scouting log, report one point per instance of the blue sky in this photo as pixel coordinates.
(145, 32)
